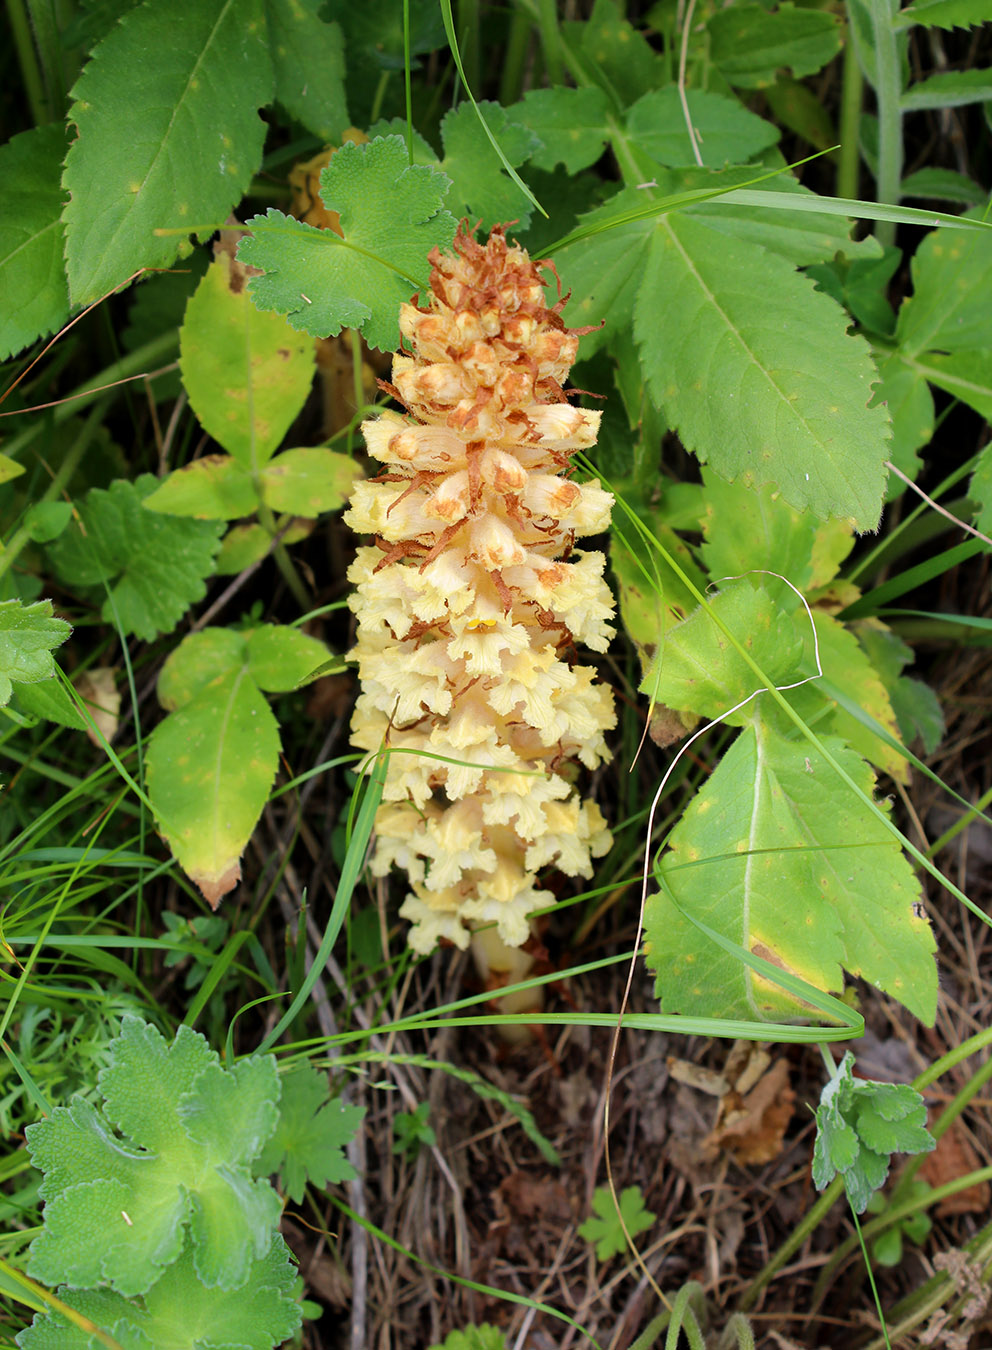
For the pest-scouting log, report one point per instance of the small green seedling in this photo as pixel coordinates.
(606, 1229)
(887, 1247)
(482, 1337)
(411, 1132)
(859, 1125)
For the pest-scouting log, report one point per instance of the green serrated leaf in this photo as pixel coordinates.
(391, 218)
(309, 481)
(571, 125)
(154, 565)
(480, 187)
(774, 822)
(116, 1209)
(28, 636)
(903, 389)
(247, 373)
(198, 71)
(282, 658)
(773, 395)
(210, 765)
(949, 89)
(301, 44)
(34, 297)
(215, 487)
(952, 277)
(309, 1140)
(727, 133)
(49, 702)
(944, 13)
(750, 44)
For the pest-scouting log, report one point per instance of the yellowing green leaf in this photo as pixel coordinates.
(213, 488)
(282, 658)
(812, 882)
(211, 764)
(309, 481)
(247, 373)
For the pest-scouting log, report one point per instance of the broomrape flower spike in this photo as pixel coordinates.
(471, 602)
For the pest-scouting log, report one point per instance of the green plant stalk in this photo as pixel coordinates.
(67, 468)
(547, 22)
(27, 59)
(888, 93)
(511, 83)
(283, 561)
(871, 1281)
(852, 90)
(468, 39)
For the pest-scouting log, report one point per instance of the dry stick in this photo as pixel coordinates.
(645, 878)
(937, 506)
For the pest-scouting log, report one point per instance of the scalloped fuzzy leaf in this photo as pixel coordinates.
(749, 44)
(49, 702)
(117, 1208)
(480, 186)
(215, 487)
(211, 764)
(198, 71)
(34, 296)
(301, 43)
(773, 823)
(282, 658)
(571, 124)
(309, 1141)
(952, 279)
(154, 565)
(247, 373)
(28, 636)
(771, 393)
(944, 13)
(391, 218)
(181, 1313)
(198, 659)
(727, 132)
(309, 481)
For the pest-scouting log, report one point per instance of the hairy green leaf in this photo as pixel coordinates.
(28, 636)
(34, 297)
(154, 565)
(949, 89)
(247, 373)
(182, 1313)
(391, 218)
(777, 854)
(117, 1209)
(173, 147)
(859, 1123)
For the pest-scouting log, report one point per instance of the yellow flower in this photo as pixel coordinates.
(472, 601)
